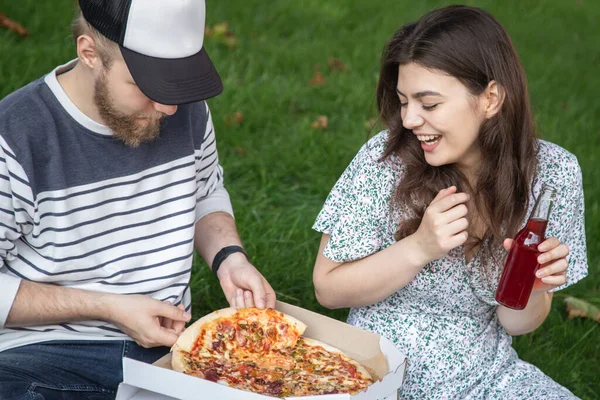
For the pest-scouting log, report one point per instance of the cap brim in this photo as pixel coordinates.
(174, 81)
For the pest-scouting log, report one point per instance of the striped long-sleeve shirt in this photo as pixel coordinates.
(79, 208)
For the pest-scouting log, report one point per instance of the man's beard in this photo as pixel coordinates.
(125, 127)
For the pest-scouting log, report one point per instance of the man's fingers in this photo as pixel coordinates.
(256, 286)
(172, 312)
(239, 298)
(248, 300)
(270, 297)
(165, 337)
(167, 323)
(179, 326)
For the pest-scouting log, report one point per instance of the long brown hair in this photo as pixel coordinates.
(469, 44)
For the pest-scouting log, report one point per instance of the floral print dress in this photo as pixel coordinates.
(444, 320)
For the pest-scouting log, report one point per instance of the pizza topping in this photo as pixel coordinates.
(211, 375)
(241, 339)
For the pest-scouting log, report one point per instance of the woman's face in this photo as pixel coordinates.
(443, 115)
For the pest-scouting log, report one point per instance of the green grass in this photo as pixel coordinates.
(279, 181)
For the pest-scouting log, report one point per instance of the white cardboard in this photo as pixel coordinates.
(143, 381)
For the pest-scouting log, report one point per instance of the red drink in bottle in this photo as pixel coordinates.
(521, 264)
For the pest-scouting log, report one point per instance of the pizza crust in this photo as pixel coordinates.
(188, 337)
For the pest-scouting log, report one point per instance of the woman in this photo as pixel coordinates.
(415, 232)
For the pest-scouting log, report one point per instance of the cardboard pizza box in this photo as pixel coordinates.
(159, 382)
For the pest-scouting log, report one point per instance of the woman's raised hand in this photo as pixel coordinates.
(444, 224)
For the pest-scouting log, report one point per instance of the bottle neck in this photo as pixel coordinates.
(543, 204)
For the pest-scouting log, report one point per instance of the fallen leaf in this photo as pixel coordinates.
(230, 40)
(221, 29)
(564, 106)
(12, 25)
(318, 79)
(336, 64)
(370, 123)
(234, 119)
(222, 35)
(579, 3)
(581, 308)
(320, 123)
(240, 150)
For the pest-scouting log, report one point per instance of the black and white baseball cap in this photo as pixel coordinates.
(162, 44)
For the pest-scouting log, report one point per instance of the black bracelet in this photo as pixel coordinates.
(223, 254)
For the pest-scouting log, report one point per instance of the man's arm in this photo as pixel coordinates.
(241, 282)
(42, 304)
(136, 315)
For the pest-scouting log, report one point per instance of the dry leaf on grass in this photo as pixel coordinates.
(221, 33)
(12, 25)
(221, 28)
(241, 151)
(370, 123)
(336, 64)
(318, 79)
(234, 119)
(581, 308)
(230, 40)
(320, 123)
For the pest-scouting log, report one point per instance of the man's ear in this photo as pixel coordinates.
(494, 95)
(87, 52)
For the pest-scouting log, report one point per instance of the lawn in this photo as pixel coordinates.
(279, 168)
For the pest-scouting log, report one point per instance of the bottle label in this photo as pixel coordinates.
(532, 240)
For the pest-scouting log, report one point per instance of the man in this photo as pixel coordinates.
(109, 179)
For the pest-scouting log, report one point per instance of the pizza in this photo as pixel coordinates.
(263, 351)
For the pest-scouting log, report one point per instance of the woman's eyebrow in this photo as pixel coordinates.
(420, 94)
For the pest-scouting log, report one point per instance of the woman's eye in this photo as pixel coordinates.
(403, 104)
(429, 108)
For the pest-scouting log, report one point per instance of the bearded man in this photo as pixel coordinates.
(110, 180)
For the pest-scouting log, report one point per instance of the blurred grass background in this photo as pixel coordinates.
(279, 168)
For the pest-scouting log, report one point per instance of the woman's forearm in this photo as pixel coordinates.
(520, 322)
(368, 280)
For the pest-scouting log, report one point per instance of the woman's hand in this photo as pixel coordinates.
(444, 224)
(553, 264)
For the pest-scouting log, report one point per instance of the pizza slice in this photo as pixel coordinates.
(244, 330)
(323, 369)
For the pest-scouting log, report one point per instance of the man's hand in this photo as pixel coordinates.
(243, 285)
(148, 321)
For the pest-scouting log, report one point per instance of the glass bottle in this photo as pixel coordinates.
(521, 264)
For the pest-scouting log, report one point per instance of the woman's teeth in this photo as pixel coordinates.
(430, 139)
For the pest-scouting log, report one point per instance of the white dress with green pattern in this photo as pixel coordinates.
(445, 320)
